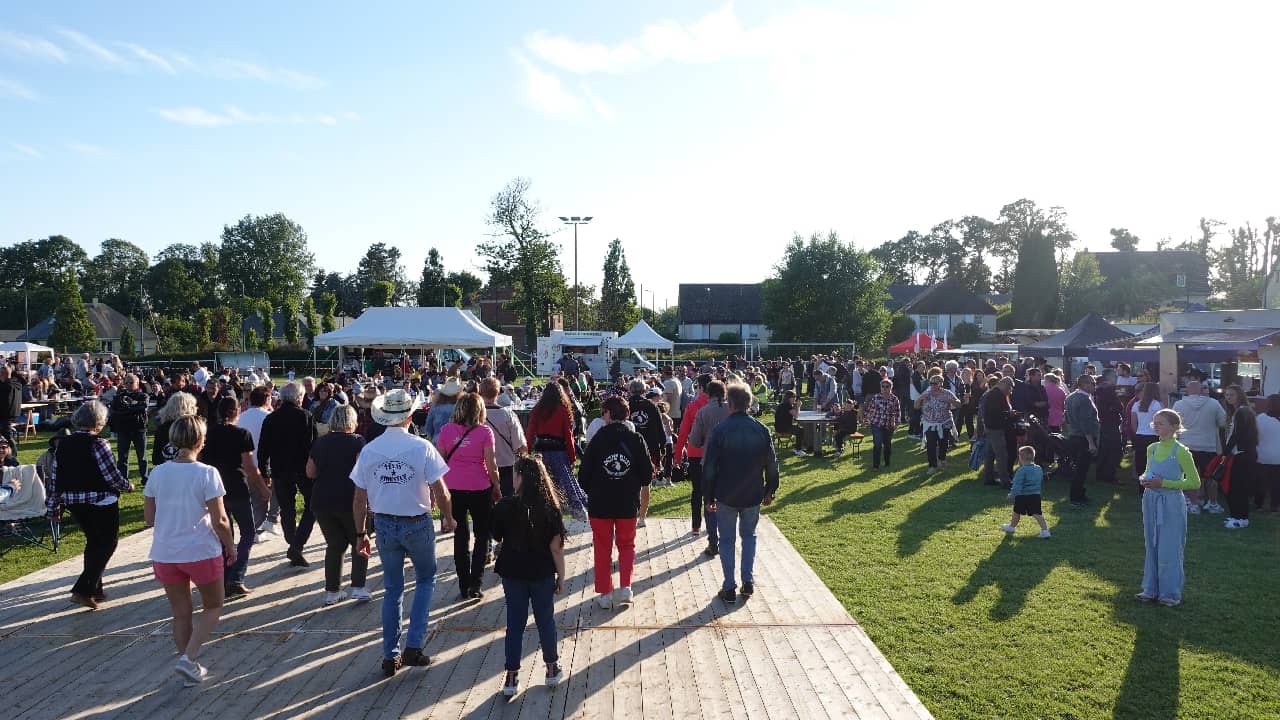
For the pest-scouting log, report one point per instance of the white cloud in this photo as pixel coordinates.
(232, 69)
(26, 150)
(151, 57)
(87, 43)
(13, 88)
(602, 108)
(546, 92)
(90, 150)
(36, 47)
(193, 116)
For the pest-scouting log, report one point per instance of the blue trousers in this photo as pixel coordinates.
(241, 511)
(139, 442)
(415, 539)
(520, 595)
(1164, 527)
(740, 522)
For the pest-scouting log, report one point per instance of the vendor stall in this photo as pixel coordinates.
(402, 328)
(1241, 344)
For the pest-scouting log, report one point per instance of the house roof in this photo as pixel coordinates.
(948, 297)
(1076, 340)
(900, 295)
(108, 324)
(1120, 264)
(709, 303)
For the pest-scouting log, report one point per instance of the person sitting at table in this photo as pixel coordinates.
(846, 424)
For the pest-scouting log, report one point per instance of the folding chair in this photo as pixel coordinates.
(23, 518)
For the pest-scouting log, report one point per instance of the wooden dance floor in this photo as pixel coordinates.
(791, 651)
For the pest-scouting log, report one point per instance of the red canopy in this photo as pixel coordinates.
(919, 342)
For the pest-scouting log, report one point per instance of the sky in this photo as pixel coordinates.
(702, 134)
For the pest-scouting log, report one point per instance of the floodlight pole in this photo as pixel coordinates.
(575, 221)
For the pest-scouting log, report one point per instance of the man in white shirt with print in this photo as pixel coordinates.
(398, 477)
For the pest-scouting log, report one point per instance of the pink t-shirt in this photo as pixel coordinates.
(466, 464)
(1057, 404)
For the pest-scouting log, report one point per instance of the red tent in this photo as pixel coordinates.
(920, 342)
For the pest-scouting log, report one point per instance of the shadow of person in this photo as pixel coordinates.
(1151, 682)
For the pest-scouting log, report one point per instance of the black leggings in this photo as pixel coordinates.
(1243, 471)
(1267, 478)
(469, 558)
(339, 530)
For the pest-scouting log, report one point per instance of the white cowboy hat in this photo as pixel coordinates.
(451, 387)
(393, 408)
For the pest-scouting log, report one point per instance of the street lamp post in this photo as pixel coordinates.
(653, 303)
(575, 221)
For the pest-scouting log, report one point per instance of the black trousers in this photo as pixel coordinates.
(468, 557)
(138, 439)
(1243, 471)
(288, 486)
(935, 446)
(101, 527)
(1268, 479)
(339, 530)
(1110, 449)
(698, 502)
(1083, 459)
(506, 481)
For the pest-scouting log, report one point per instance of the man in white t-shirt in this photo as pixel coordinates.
(201, 376)
(398, 476)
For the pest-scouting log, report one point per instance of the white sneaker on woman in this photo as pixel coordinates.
(605, 601)
(333, 598)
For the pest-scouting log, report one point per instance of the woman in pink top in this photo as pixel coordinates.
(467, 444)
(1057, 401)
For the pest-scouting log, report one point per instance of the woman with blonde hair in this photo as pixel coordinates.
(329, 465)
(467, 444)
(1170, 469)
(180, 404)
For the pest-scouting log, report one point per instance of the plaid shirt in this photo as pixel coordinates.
(55, 500)
(883, 412)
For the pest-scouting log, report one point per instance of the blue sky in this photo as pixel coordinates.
(702, 134)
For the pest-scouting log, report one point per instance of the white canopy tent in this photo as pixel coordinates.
(31, 349)
(642, 337)
(398, 328)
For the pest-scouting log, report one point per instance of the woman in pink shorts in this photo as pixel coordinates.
(192, 542)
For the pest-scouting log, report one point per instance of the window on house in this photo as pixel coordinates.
(1181, 280)
(927, 322)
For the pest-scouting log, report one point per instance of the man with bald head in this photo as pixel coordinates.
(1202, 421)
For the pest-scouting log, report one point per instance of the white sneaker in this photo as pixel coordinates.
(640, 523)
(1235, 524)
(1045, 534)
(1193, 508)
(801, 453)
(270, 528)
(190, 671)
(1008, 528)
(361, 595)
(604, 601)
(622, 596)
(333, 598)
(1213, 508)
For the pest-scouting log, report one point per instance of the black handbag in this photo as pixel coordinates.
(549, 443)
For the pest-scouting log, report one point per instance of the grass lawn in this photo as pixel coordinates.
(986, 626)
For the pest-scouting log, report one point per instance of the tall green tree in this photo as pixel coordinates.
(1082, 291)
(618, 311)
(127, 342)
(468, 284)
(267, 315)
(203, 328)
(519, 254)
(289, 314)
(1123, 240)
(326, 304)
(824, 291)
(381, 294)
(33, 272)
(311, 318)
(347, 296)
(1033, 235)
(434, 288)
(382, 262)
(116, 275)
(72, 331)
(265, 257)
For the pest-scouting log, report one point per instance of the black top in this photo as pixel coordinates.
(161, 450)
(78, 467)
(334, 455)
(224, 446)
(10, 399)
(285, 442)
(128, 412)
(648, 421)
(616, 466)
(526, 540)
(782, 420)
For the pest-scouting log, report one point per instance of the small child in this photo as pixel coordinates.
(668, 427)
(1025, 491)
(846, 424)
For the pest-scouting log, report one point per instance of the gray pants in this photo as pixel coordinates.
(264, 510)
(998, 455)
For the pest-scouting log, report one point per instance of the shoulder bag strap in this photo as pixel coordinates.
(454, 449)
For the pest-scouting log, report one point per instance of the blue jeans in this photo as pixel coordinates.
(241, 511)
(744, 521)
(416, 539)
(881, 445)
(520, 593)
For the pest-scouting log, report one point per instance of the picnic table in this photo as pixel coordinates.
(815, 429)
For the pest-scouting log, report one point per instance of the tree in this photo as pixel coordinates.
(127, 341)
(203, 329)
(265, 257)
(175, 284)
(824, 291)
(900, 328)
(1081, 288)
(1238, 270)
(520, 255)
(468, 284)
(267, 314)
(251, 339)
(116, 275)
(618, 310)
(34, 273)
(1123, 240)
(72, 331)
(311, 318)
(903, 260)
(1033, 235)
(326, 303)
(589, 306)
(965, 333)
(667, 324)
(224, 327)
(289, 314)
(349, 299)
(382, 262)
(175, 335)
(381, 294)
(434, 289)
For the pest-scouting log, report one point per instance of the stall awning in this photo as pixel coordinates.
(1237, 338)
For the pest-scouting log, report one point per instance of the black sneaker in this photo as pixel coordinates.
(235, 590)
(296, 559)
(748, 589)
(728, 596)
(712, 550)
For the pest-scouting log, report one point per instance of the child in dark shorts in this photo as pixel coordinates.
(1025, 491)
